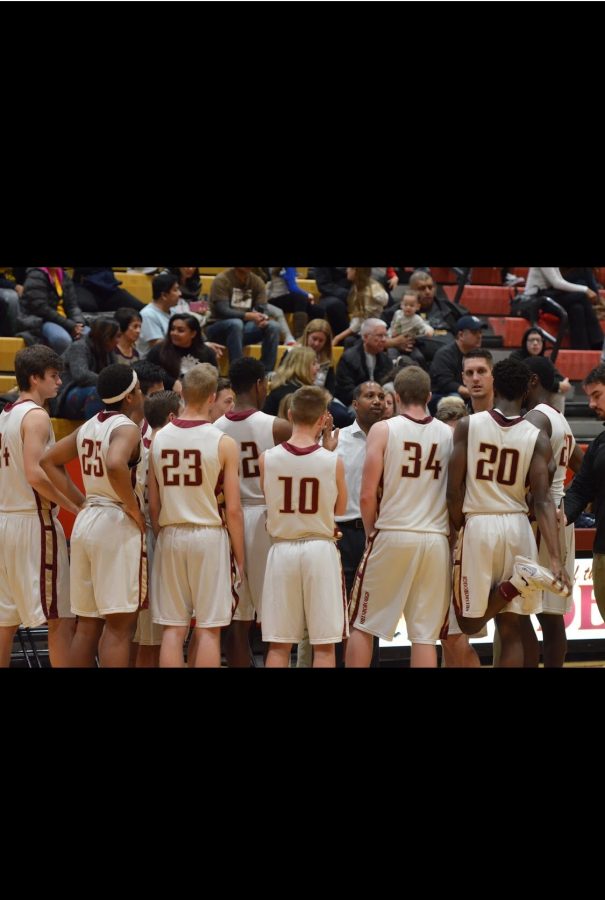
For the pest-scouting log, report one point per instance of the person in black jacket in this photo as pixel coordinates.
(589, 484)
(98, 290)
(446, 368)
(368, 361)
(84, 360)
(49, 293)
(334, 287)
(182, 348)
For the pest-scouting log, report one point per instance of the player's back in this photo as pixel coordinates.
(499, 454)
(563, 444)
(415, 476)
(186, 464)
(252, 431)
(301, 492)
(16, 494)
(93, 441)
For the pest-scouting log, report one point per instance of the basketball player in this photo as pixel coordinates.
(159, 409)
(406, 566)
(304, 487)
(543, 415)
(254, 432)
(191, 461)
(495, 453)
(34, 568)
(108, 577)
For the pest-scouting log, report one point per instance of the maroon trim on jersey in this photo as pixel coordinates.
(103, 416)
(424, 421)
(50, 609)
(234, 593)
(190, 423)
(499, 419)
(143, 575)
(344, 599)
(240, 416)
(10, 406)
(144, 427)
(359, 576)
(299, 451)
(445, 626)
(147, 443)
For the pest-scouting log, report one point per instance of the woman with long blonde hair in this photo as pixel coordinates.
(299, 368)
(318, 336)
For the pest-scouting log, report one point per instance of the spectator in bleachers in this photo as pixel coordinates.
(367, 300)
(406, 327)
(532, 344)
(318, 336)
(155, 316)
(98, 290)
(49, 293)
(83, 361)
(577, 299)
(238, 315)
(438, 312)
(129, 322)
(182, 348)
(334, 286)
(367, 361)
(10, 292)
(446, 368)
(285, 293)
(189, 282)
(390, 402)
(478, 379)
(299, 368)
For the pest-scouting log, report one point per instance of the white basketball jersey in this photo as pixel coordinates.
(146, 444)
(301, 492)
(189, 475)
(16, 494)
(415, 476)
(93, 446)
(562, 442)
(252, 431)
(499, 453)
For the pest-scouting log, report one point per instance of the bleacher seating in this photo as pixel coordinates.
(9, 347)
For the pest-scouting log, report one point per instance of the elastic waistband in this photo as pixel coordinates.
(351, 523)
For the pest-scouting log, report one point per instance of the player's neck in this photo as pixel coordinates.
(541, 397)
(481, 404)
(303, 436)
(509, 408)
(34, 396)
(244, 402)
(414, 411)
(196, 413)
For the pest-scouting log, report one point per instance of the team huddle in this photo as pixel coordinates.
(230, 522)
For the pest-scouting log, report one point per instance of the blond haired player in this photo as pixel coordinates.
(406, 565)
(304, 486)
(192, 462)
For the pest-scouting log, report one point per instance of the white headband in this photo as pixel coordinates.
(121, 396)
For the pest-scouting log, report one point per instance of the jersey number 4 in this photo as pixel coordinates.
(192, 477)
(412, 468)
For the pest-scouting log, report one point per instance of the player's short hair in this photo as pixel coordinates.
(544, 369)
(244, 373)
(158, 407)
(199, 383)
(451, 409)
(511, 378)
(114, 380)
(597, 376)
(35, 360)
(479, 353)
(149, 374)
(308, 404)
(412, 385)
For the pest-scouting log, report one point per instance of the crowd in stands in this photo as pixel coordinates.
(384, 318)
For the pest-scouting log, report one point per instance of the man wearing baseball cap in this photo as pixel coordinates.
(446, 368)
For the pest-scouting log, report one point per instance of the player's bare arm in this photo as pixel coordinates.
(544, 508)
(53, 464)
(372, 473)
(341, 501)
(155, 501)
(282, 430)
(124, 446)
(456, 475)
(229, 458)
(34, 432)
